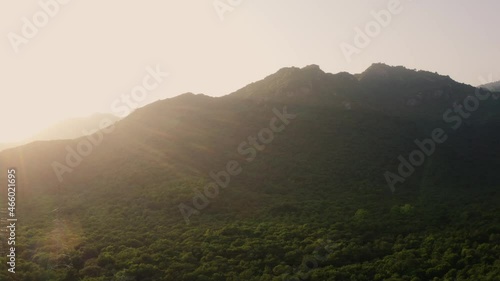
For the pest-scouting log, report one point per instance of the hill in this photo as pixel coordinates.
(283, 178)
(494, 86)
(74, 128)
(68, 129)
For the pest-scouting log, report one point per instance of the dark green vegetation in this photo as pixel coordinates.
(315, 196)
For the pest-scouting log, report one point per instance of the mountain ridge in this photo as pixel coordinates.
(112, 205)
(288, 86)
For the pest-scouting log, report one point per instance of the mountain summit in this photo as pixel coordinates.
(382, 87)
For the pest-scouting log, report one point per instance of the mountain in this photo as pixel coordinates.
(494, 86)
(75, 127)
(68, 129)
(397, 90)
(4, 146)
(389, 174)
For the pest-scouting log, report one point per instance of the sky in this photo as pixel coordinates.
(61, 59)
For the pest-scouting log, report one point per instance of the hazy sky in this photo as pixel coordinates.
(90, 52)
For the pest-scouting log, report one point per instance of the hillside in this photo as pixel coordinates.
(4, 146)
(67, 129)
(74, 128)
(494, 86)
(285, 177)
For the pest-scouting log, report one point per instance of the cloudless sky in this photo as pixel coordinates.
(92, 52)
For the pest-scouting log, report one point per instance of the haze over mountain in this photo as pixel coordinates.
(4, 146)
(68, 129)
(494, 86)
(253, 185)
(75, 127)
